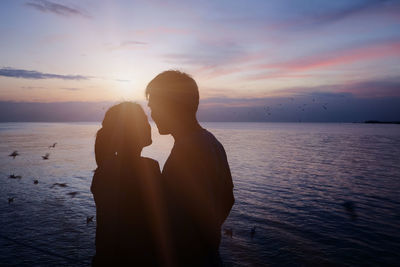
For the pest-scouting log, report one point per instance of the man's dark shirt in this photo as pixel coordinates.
(199, 196)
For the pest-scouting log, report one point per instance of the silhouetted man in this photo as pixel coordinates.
(196, 177)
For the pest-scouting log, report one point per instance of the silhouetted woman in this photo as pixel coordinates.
(126, 191)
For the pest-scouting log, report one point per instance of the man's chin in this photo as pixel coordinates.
(163, 131)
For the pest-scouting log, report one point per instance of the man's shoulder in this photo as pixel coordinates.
(202, 142)
(209, 139)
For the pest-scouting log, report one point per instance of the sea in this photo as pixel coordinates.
(306, 194)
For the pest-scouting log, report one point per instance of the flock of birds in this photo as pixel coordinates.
(15, 153)
(227, 231)
(302, 107)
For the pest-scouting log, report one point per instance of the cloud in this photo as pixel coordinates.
(208, 53)
(352, 9)
(127, 45)
(32, 87)
(327, 59)
(300, 16)
(158, 31)
(371, 89)
(321, 13)
(203, 58)
(229, 58)
(233, 102)
(71, 88)
(32, 74)
(214, 58)
(389, 87)
(52, 112)
(374, 88)
(55, 8)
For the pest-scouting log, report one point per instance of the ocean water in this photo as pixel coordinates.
(317, 194)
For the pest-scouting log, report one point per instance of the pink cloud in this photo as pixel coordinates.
(236, 64)
(149, 32)
(328, 60)
(373, 89)
(295, 68)
(366, 10)
(277, 75)
(386, 87)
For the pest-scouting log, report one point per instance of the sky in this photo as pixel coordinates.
(251, 58)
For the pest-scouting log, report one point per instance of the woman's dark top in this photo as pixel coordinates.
(128, 204)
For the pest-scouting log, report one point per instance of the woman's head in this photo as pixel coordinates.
(125, 131)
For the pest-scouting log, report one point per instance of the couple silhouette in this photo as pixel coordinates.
(146, 217)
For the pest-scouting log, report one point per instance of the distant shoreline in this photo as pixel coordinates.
(206, 121)
(382, 122)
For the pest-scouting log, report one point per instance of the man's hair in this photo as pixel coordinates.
(176, 89)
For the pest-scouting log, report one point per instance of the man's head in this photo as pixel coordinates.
(173, 99)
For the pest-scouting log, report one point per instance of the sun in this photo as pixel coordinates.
(129, 90)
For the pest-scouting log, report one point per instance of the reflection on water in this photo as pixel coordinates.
(317, 193)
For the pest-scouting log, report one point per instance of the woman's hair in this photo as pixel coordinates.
(123, 130)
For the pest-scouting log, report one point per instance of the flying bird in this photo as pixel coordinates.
(53, 145)
(46, 156)
(58, 184)
(13, 176)
(72, 194)
(349, 206)
(14, 154)
(89, 219)
(253, 231)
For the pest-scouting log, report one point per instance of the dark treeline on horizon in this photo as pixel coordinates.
(222, 110)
